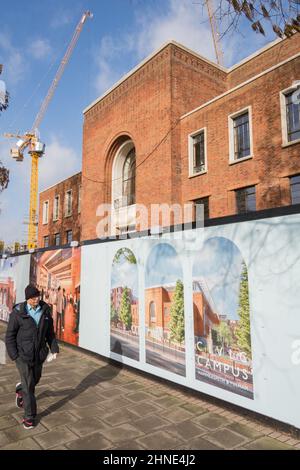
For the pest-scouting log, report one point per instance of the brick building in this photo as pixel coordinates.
(180, 128)
(60, 213)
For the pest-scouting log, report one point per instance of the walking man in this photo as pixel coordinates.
(29, 330)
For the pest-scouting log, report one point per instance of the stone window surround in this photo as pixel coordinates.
(191, 150)
(231, 117)
(282, 97)
(45, 214)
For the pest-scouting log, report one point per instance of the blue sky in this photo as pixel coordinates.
(219, 264)
(163, 266)
(125, 274)
(33, 39)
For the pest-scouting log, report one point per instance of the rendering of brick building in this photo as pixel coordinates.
(179, 128)
(158, 302)
(7, 293)
(60, 213)
(116, 299)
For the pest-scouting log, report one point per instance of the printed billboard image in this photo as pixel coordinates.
(164, 310)
(222, 317)
(56, 273)
(8, 273)
(124, 305)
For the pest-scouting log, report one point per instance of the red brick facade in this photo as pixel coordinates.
(161, 298)
(149, 108)
(64, 222)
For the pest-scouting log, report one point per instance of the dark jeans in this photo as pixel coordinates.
(30, 377)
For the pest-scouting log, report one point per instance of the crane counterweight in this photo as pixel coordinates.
(30, 141)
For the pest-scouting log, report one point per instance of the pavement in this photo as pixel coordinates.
(84, 402)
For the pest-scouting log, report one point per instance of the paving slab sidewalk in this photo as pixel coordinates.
(86, 403)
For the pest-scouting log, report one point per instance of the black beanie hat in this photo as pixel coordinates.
(31, 291)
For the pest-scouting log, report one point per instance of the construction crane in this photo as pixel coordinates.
(31, 140)
(215, 31)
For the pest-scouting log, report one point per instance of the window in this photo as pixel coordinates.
(197, 153)
(56, 208)
(295, 189)
(68, 203)
(124, 181)
(46, 241)
(245, 200)
(128, 179)
(127, 229)
(240, 140)
(152, 312)
(45, 212)
(57, 239)
(166, 312)
(292, 115)
(205, 202)
(69, 236)
(79, 199)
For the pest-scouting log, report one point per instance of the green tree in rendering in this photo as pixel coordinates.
(113, 313)
(177, 315)
(243, 330)
(125, 310)
(224, 333)
(127, 254)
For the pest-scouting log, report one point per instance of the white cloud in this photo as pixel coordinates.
(14, 201)
(125, 275)
(106, 57)
(62, 18)
(13, 59)
(185, 22)
(58, 163)
(40, 48)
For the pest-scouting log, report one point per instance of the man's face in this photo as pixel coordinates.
(33, 302)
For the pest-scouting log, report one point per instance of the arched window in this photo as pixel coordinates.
(123, 176)
(152, 312)
(128, 178)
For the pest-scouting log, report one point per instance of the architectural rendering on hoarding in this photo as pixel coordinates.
(223, 355)
(7, 286)
(164, 310)
(56, 273)
(124, 305)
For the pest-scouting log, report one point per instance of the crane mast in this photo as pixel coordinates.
(215, 31)
(30, 140)
(60, 70)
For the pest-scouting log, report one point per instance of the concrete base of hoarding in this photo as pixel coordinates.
(86, 401)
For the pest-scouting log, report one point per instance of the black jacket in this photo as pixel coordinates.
(25, 339)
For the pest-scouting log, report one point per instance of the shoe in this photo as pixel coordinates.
(19, 400)
(28, 423)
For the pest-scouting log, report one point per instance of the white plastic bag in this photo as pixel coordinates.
(51, 357)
